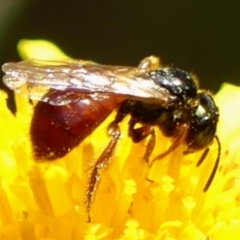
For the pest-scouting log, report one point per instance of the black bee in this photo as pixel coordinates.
(76, 96)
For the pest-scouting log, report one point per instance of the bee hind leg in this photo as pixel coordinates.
(150, 63)
(101, 164)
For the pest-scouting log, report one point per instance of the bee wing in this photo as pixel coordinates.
(34, 78)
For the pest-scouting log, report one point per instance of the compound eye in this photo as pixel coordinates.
(204, 123)
(176, 81)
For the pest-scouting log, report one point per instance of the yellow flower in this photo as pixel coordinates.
(46, 200)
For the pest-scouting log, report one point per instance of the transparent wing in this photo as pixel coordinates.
(34, 78)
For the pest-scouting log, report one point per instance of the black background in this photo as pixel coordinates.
(199, 36)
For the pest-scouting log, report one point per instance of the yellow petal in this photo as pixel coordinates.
(39, 49)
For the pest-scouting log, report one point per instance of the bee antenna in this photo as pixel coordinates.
(215, 167)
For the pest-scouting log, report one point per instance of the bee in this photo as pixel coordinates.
(75, 97)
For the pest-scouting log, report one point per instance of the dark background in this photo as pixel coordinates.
(199, 36)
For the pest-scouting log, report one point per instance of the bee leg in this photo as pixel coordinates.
(150, 63)
(177, 142)
(101, 164)
(139, 134)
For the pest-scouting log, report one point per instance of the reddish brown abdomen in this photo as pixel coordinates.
(56, 130)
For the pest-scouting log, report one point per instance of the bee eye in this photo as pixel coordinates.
(176, 81)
